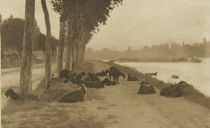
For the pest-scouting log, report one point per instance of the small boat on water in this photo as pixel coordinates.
(175, 76)
(194, 60)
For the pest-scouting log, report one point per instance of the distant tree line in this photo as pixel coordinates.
(166, 50)
(176, 50)
(12, 37)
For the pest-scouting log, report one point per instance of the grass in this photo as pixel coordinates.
(52, 115)
(47, 112)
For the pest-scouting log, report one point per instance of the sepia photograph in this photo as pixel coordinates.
(105, 63)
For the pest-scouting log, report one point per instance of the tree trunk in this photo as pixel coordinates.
(71, 52)
(83, 53)
(74, 53)
(26, 60)
(61, 46)
(47, 45)
(69, 47)
(0, 28)
(83, 46)
(85, 39)
(77, 53)
(80, 52)
(68, 55)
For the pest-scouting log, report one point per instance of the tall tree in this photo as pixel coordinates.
(47, 45)
(0, 27)
(69, 46)
(61, 45)
(26, 65)
(85, 16)
(58, 7)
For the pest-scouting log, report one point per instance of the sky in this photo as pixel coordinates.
(136, 23)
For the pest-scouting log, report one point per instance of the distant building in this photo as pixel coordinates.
(129, 52)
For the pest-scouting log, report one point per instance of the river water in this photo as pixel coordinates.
(197, 74)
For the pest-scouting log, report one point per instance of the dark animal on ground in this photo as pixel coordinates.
(92, 77)
(94, 84)
(102, 73)
(53, 77)
(75, 96)
(64, 74)
(84, 77)
(146, 88)
(12, 94)
(152, 74)
(183, 84)
(77, 79)
(174, 76)
(131, 78)
(171, 91)
(108, 82)
(185, 87)
(115, 73)
(72, 76)
(83, 73)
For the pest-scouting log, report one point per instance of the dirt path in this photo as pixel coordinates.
(130, 110)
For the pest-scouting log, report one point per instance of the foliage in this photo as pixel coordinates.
(12, 36)
(41, 43)
(82, 19)
(85, 15)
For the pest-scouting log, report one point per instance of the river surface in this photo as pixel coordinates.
(197, 74)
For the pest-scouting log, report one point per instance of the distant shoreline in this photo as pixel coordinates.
(163, 60)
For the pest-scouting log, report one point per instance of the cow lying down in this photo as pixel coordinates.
(14, 96)
(108, 82)
(76, 96)
(94, 84)
(177, 90)
(131, 77)
(146, 88)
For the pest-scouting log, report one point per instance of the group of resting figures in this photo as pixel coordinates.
(89, 78)
(110, 78)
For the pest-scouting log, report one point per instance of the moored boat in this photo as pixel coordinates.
(194, 60)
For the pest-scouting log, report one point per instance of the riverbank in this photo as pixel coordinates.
(112, 107)
(196, 74)
(192, 95)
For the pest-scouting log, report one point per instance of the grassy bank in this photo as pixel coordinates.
(47, 112)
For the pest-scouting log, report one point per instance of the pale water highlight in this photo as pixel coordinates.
(197, 74)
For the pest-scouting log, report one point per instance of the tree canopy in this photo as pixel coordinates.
(12, 36)
(85, 15)
(82, 19)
